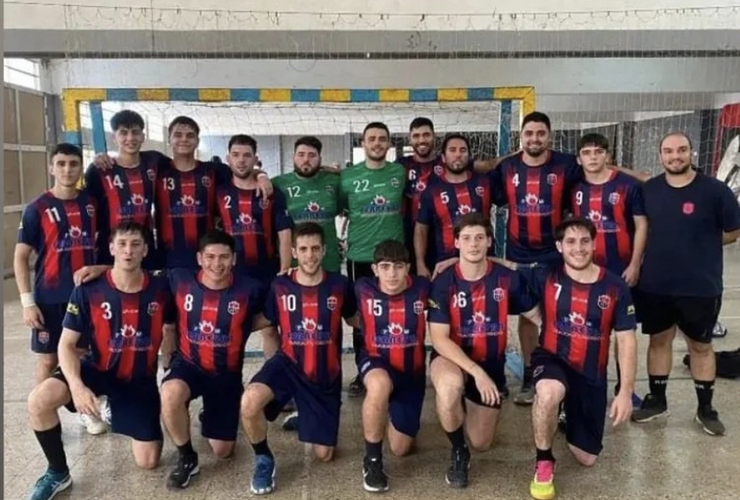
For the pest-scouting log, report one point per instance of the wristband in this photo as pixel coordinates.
(27, 300)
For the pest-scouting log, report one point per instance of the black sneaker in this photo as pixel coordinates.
(356, 388)
(709, 420)
(457, 474)
(375, 479)
(187, 467)
(652, 407)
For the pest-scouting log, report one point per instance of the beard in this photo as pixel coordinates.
(306, 172)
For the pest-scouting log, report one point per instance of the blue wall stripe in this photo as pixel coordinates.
(364, 95)
(184, 95)
(422, 95)
(73, 137)
(305, 95)
(121, 95)
(98, 127)
(247, 95)
(480, 94)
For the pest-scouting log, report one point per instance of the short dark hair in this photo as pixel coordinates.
(671, 134)
(216, 159)
(216, 237)
(452, 136)
(310, 141)
(126, 119)
(243, 140)
(186, 121)
(537, 117)
(575, 223)
(65, 148)
(307, 229)
(391, 251)
(130, 226)
(379, 125)
(421, 121)
(594, 140)
(473, 219)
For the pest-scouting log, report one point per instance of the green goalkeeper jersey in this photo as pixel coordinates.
(373, 199)
(315, 199)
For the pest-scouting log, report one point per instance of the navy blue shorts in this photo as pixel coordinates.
(407, 397)
(46, 340)
(134, 405)
(493, 368)
(585, 403)
(221, 393)
(318, 407)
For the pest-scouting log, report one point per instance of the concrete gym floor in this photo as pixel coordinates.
(671, 458)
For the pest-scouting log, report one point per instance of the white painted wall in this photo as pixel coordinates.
(396, 15)
(268, 150)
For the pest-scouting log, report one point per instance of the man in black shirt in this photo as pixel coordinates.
(691, 217)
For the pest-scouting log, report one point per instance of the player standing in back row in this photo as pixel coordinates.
(372, 193)
(311, 195)
(536, 185)
(691, 217)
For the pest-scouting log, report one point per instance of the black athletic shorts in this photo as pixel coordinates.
(694, 316)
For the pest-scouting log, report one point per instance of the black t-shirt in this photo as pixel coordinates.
(684, 244)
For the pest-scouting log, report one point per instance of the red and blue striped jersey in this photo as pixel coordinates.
(124, 330)
(418, 177)
(537, 198)
(186, 210)
(612, 207)
(578, 318)
(394, 326)
(254, 222)
(310, 323)
(213, 326)
(63, 234)
(124, 194)
(443, 203)
(477, 311)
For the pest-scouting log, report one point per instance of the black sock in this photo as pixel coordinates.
(658, 385)
(374, 450)
(261, 448)
(51, 443)
(704, 392)
(527, 374)
(186, 450)
(457, 438)
(545, 455)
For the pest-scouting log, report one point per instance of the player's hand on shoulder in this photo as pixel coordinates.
(264, 185)
(442, 266)
(88, 273)
(103, 161)
(33, 318)
(423, 271)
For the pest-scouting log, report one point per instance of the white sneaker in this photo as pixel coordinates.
(104, 408)
(93, 424)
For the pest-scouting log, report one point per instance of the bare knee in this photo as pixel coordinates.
(480, 443)
(663, 340)
(378, 383)
(47, 396)
(583, 458)
(700, 349)
(223, 449)
(146, 455)
(174, 394)
(323, 453)
(253, 401)
(549, 393)
(400, 447)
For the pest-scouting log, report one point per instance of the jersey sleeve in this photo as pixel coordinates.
(496, 180)
(426, 208)
(282, 217)
(77, 318)
(269, 311)
(29, 232)
(535, 282)
(439, 312)
(342, 203)
(521, 297)
(349, 308)
(730, 210)
(222, 173)
(636, 199)
(573, 173)
(170, 308)
(257, 298)
(624, 312)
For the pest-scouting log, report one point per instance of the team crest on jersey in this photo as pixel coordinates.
(264, 203)
(552, 179)
(395, 182)
(438, 170)
(43, 337)
(464, 209)
(90, 209)
(498, 294)
(206, 327)
(418, 307)
(604, 301)
(594, 215)
(379, 200)
(313, 207)
(74, 232)
(187, 201)
(614, 198)
(576, 319)
(308, 325)
(420, 186)
(245, 218)
(331, 303)
(479, 190)
(137, 199)
(531, 199)
(151, 174)
(233, 307)
(152, 308)
(395, 329)
(479, 318)
(688, 208)
(206, 181)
